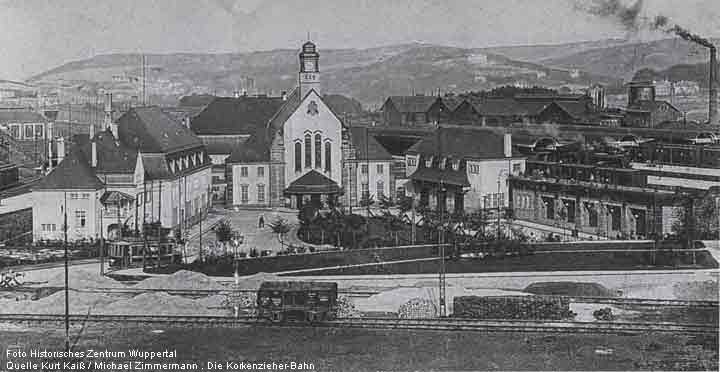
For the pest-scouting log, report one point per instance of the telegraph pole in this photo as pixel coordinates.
(441, 232)
(67, 292)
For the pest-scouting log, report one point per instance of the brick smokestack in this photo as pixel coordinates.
(712, 106)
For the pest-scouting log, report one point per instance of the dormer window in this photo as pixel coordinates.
(192, 159)
(441, 163)
(199, 157)
(456, 164)
(428, 162)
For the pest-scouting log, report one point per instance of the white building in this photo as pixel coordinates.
(462, 169)
(301, 152)
(144, 168)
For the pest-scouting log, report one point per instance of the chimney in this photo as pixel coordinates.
(283, 95)
(109, 122)
(507, 144)
(93, 146)
(60, 149)
(186, 122)
(713, 114)
(50, 149)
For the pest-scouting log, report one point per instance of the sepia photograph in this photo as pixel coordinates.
(359, 185)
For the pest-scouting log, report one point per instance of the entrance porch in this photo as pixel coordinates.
(312, 188)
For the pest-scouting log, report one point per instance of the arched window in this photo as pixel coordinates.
(298, 157)
(308, 151)
(328, 156)
(318, 151)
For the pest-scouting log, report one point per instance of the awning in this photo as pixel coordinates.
(448, 177)
(113, 197)
(313, 183)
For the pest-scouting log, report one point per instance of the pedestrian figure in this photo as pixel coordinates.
(261, 222)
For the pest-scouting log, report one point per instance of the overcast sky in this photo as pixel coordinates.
(36, 35)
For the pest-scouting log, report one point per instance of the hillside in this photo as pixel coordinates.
(368, 75)
(624, 60)
(537, 53)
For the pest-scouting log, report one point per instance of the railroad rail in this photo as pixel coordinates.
(436, 324)
(368, 293)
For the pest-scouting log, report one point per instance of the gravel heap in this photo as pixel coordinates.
(82, 279)
(159, 303)
(418, 308)
(181, 280)
(80, 302)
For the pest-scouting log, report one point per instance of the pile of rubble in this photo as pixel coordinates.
(182, 280)
(418, 308)
(159, 303)
(513, 307)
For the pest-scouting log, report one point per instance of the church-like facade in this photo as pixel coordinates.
(303, 153)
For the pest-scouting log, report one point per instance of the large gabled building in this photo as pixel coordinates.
(301, 153)
(144, 168)
(462, 169)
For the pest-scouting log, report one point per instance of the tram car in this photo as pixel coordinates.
(125, 254)
(301, 301)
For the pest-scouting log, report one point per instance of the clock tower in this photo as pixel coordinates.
(309, 72)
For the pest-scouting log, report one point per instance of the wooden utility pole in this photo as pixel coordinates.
(67, 291)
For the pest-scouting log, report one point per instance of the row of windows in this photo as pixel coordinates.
(365, 190)
(244, 197)
(186, 162)
(29, 133)
(49, 227)
(524, 202)
(76, 196)
(473, 168)
(379, 168)
(308, 143)
(244, 171)
(494, 200)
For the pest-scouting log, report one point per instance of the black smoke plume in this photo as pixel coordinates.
(626, 16)
(661, 23)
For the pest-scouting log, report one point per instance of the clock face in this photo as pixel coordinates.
(309, 65)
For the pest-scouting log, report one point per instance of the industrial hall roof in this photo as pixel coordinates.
(149, 129)
(463, 143)
(241, 115)
(650, 106)
(73, 173)
(412, 103)
(313, 183)
(505, 106)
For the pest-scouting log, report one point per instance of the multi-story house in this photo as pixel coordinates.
(462, 169)
(144, 168)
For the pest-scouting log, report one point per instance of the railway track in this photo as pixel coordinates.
(368, 293)
(438, 324)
